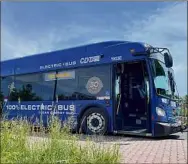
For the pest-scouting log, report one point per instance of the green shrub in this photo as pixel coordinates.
(61, 146)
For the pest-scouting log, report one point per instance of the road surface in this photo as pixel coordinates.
(171, 149)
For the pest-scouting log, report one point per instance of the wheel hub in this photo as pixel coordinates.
(95, 122)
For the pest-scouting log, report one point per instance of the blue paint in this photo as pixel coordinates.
(71, 58)
(84, 56)
(62, 109)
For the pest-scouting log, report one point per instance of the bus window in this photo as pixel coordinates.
(5, 85)
(66, 85)
(95, 82)
(84, 84)
(33, 87)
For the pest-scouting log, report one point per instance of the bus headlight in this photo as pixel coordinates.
(160, 112)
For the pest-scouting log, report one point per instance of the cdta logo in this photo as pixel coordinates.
(90, 59)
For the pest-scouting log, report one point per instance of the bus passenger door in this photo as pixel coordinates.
(132, 107)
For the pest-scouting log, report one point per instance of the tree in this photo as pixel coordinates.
(25, 94)
(1, 102)
(185, 101)
(184, 105)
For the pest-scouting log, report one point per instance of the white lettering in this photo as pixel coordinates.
(60, 107)
(82, 60)
(25, 107)
(13, 107)
(41, 107)
(69, 63)
(33, 107)
(49, 107)
(90, 59)
(22, 107)
(29, 107)
(66, 107)
(116, 58)
(72, 107)
(56, 65)
(41, 67)
(38, 107)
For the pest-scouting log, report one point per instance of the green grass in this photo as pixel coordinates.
(183, 113)
(59, 147)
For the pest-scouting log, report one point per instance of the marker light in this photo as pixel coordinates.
(132, 51)
(160, 112)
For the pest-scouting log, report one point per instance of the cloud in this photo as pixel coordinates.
(15, 45)
(166, 28)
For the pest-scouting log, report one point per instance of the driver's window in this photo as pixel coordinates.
(117, 85)
(117, 81)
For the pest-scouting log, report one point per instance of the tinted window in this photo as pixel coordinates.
(79, 84)
(33, 87)
(88, 83)
(6, 86)
(66, 85)
(94, 81)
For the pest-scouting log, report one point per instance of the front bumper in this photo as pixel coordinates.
(165, 129)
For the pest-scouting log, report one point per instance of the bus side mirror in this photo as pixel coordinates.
(168, 60)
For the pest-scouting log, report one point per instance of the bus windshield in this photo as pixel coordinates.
(164, 82)
(164, 79)
(161, 81)
(175, 94)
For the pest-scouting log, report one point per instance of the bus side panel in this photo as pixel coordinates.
(37, 111)
(32, 110)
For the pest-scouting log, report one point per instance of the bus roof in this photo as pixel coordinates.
(91, 54)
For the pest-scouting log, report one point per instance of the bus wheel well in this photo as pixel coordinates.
(85, 109)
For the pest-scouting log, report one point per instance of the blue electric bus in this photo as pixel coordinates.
(107, 87)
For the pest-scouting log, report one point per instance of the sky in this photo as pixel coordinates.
(29, 28)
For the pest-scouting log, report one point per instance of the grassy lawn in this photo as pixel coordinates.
(60, 147)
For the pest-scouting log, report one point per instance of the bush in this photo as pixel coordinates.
(61, 146)
(183, 112)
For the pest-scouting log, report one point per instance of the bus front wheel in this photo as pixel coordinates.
(94, 121)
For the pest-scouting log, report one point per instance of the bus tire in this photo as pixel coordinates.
(94, 121)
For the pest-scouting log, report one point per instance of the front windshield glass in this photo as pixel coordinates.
(175, 93)
(161, 79)
(164, 78)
